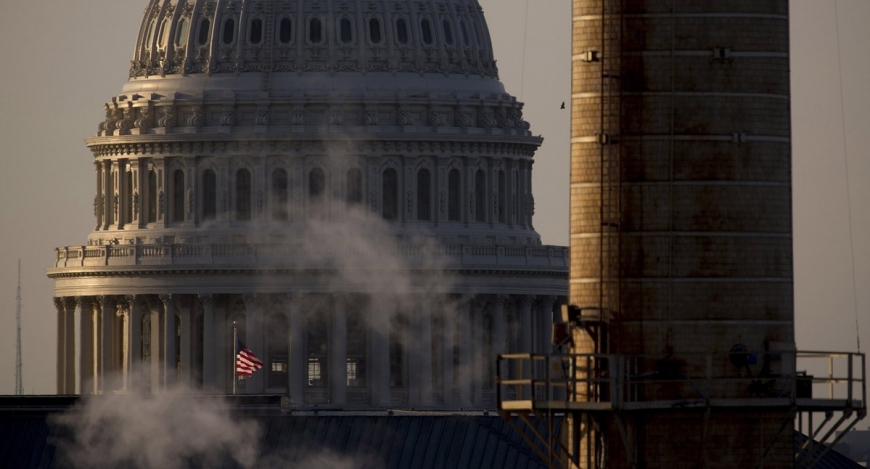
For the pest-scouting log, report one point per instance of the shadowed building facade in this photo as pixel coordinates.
(344, 186)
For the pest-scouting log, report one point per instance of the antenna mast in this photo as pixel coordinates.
(19, 383)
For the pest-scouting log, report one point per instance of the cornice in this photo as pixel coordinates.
(180, 145)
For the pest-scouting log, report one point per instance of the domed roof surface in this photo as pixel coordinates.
(269, 44)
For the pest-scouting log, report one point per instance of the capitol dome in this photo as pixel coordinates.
(344, 186)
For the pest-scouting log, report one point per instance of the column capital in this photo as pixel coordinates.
(250, 299)
(166, 299)
(59, 303)
(207, 299)
(525, 301)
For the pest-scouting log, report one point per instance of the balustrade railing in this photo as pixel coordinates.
(292, 254)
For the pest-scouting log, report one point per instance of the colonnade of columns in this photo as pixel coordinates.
(330, 349)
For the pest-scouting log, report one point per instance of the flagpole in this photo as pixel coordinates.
(235, 357)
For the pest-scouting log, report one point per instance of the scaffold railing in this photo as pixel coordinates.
(809, 381)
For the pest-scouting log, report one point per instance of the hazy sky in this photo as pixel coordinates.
(62, 59)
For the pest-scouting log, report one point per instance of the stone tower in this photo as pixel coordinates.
(681, 224)
(345, 186)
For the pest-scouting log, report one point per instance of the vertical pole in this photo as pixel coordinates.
(235, 357)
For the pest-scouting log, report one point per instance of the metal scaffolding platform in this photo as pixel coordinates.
(831, 384)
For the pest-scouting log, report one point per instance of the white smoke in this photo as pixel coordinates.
(172, 430)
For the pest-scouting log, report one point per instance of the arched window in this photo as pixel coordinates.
(375, 31)
(356, 349)
(229, 33)
(402, 31)
(465, 37)
(181, 32)
(390, 194)
(277, 334)
(398, 337)
(480, 195)
(454, 196)
(162, 36)
(178, 196)
(243, 195)
(502, 197)
(316, 189)
(128, 190)
(255, 33)
(448, 32)
(285, 33)
(150, 35)
(426, 29)
(424, 195)
(346, 31)
(209, 195)
(204, 32)
(152, 196)
(279, 194)
(354, 186)
(315, 31)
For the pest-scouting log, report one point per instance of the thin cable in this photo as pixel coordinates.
(525, 45)
(848, 185)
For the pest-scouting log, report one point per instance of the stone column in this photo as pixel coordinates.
(524, 318)
(209, 343)
(121, 343)
(467, 369)
(105, 313)
(545, 318)
(420, 356)
(70, 345)
(297, 362)
(134, 344)
(98, 196)
(106, 196)
(88, 349)
(479, 353)
(448, 325)
(186, 366)
(224, 362)
(114, 194)
(254, 329)
(78, 332)
(135, 167)
(168, 366)
(338, 352)
(60, 377)
(380, 362)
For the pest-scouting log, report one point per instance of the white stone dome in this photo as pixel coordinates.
(292, 170)
(269, 44)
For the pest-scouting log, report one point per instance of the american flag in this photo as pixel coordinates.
(246, 362)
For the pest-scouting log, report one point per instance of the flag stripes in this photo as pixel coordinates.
(246, 362)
